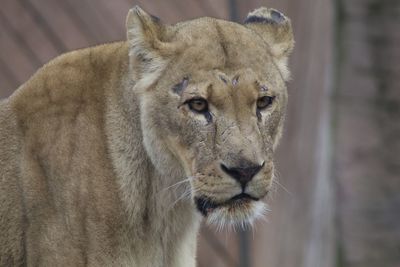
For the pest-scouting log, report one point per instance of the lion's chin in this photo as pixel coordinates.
(237, 212)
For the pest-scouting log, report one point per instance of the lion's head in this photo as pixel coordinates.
(213, 98)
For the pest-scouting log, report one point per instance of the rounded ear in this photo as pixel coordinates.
(276, 30)
(147, 48)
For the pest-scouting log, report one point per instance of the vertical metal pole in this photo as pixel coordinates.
(244, 251)
(233, 11)
(244, 255)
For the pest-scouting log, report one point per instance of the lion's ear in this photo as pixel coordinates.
(147, 48)
(276, 30)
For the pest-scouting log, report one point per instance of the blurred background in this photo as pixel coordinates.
(339, 160)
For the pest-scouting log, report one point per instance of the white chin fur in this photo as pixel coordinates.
(243, 217)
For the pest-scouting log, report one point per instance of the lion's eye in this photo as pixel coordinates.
(198, 104)
(264, 102)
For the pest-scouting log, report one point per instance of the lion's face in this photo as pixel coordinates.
(224, 130)
(217, 108)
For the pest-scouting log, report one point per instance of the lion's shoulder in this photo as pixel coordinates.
(72, 78)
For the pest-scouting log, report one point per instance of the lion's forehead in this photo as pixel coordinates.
(212, 43)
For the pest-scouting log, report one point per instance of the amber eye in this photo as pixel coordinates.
(264, 102)
(198, 105)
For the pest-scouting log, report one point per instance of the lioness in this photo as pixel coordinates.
(110, 156)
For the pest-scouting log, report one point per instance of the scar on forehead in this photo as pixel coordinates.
(235, 80)
(223, 79)
(180, 87)
(264, 88)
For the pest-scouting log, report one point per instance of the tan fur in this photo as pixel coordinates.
(94, 148)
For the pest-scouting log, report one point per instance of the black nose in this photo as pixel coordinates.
(244, 174)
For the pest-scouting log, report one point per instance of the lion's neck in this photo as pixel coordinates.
(159, 227)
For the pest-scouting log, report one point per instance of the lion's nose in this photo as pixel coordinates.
(243, 174)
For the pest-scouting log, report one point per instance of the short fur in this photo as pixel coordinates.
(101, 158)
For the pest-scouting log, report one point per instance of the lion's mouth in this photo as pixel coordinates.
(205, 205)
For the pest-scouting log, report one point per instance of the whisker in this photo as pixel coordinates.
(184, 195)
(176, 184)
(284, 188)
